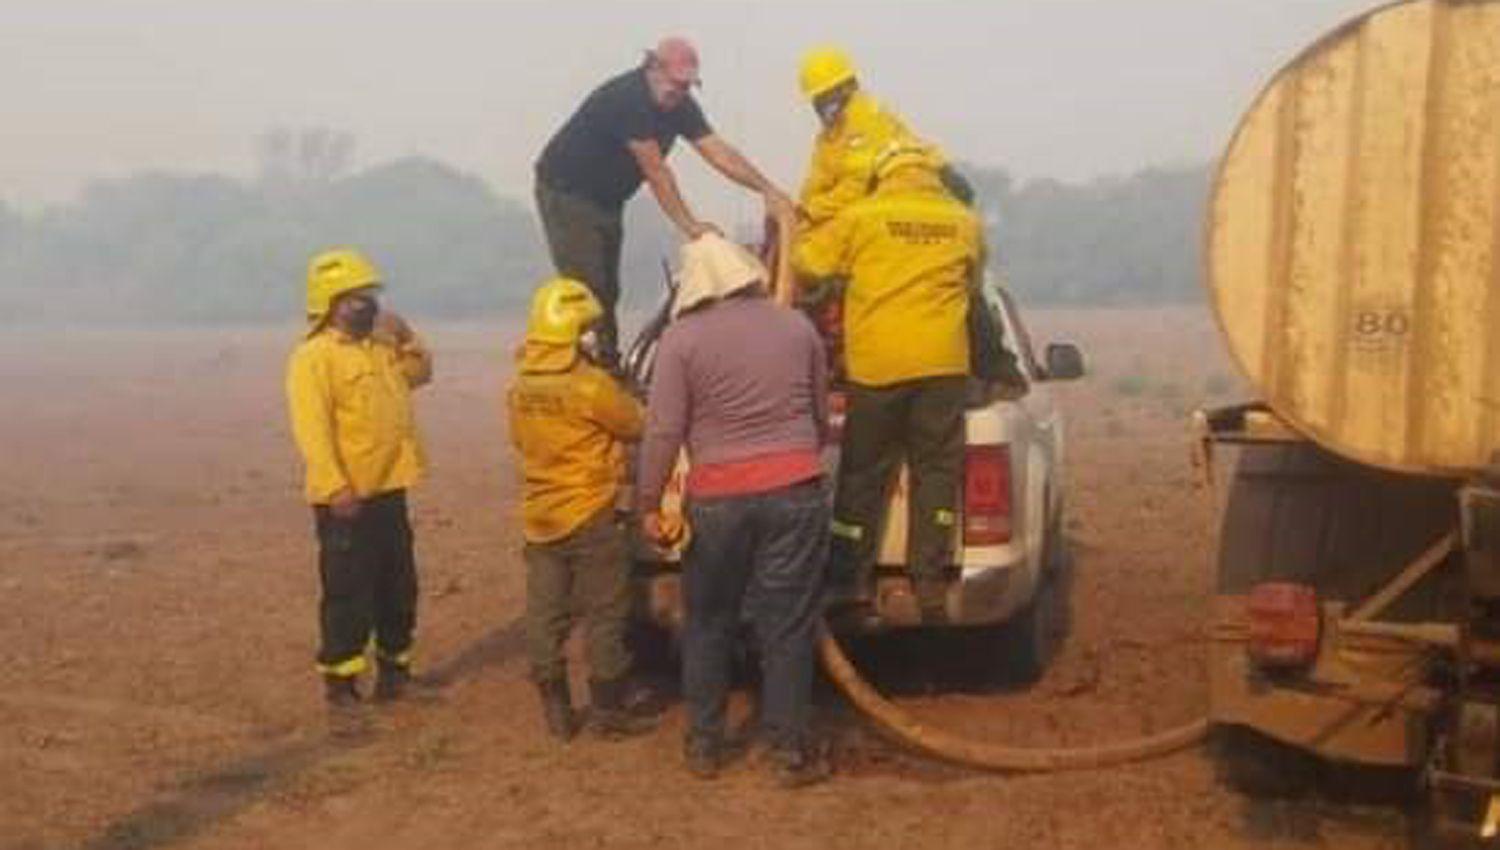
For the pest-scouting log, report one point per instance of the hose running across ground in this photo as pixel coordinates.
(987, 756)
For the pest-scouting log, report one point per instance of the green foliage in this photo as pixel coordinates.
(163, 247)
(169, 247)
(1109, 242)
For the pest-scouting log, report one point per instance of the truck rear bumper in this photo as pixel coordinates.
(977, 597)
(1359, 702)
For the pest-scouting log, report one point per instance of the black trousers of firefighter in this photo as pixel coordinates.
(922, 423)
(369, 584)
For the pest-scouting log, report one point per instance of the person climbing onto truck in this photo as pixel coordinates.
(912, 256)
(348, 387)
(569, 420)
(855, 128)
(741, 382)
(619, 137)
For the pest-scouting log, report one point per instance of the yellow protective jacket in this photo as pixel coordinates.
(350, 405)
(844, 156)
(569, 421)
(910, 253)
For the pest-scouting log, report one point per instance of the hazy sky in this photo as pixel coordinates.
(1061, 88)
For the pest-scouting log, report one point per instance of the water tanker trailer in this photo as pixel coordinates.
(1352, 251)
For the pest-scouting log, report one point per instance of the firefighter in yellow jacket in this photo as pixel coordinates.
(856, 129)
(911, 254)
(348, 388)
(569, 422)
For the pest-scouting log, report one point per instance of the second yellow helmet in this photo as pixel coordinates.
(824, 69)
(560, 311)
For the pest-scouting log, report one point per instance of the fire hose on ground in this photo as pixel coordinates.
(984, 755)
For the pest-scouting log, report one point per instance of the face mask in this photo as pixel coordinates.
(359, 319)
(828, 110)
(830, 105)
(591, 346)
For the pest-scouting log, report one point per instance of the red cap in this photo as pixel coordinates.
(677, 57)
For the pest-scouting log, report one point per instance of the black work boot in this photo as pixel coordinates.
(344, 717)
(608, 717)
(341, 691)
(797, 767)
(932, 602)
(557, 708)
(848, 596)
(704, 758)
(391, 681)
(844, 584)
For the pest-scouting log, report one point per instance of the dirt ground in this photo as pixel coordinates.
(157, 599)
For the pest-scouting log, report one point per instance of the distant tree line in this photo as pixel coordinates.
(168, 247)
(165, 247)
(1113, 241)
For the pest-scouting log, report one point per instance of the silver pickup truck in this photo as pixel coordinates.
(1010, 550)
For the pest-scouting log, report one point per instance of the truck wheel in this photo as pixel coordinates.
(1026, 640)
(1060, 566)
(1258, 766)
(1446, 825)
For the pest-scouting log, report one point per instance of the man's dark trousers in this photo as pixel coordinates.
(585, 239)
(369, 579)
(921, 422)
(763, 555)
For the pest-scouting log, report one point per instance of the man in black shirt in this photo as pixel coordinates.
(616, 140)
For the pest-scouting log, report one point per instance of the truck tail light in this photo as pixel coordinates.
(987, 508)
(1284, 624)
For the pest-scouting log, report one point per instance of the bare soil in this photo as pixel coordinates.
(157, 600)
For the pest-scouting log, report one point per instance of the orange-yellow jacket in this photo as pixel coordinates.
(844, 156)
(569, 421)
(351, 412)
(910, 252)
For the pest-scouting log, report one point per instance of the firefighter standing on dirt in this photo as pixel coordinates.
(911, 253)
(348, 388)
(569, 421)
(618, 138)
(855, 129)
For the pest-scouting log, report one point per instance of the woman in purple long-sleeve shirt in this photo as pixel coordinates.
(742, 384)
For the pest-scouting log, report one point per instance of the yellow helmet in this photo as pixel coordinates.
(823, 69)
(333, 273)
(560, 311)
